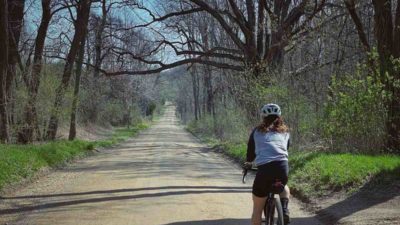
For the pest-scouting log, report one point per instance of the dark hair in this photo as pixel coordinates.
(272, 123)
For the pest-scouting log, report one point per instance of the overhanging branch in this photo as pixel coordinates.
(176, 64)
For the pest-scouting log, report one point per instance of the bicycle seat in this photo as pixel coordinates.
(277, 187)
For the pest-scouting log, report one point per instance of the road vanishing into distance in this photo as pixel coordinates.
(163, 176)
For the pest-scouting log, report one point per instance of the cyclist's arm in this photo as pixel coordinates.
(251, 148)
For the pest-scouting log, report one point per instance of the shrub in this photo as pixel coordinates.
(356, 114)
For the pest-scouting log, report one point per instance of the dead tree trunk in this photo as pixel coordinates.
(83, 11)
(31, 121)
(4, 132)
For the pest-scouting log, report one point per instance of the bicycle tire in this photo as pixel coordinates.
(272, 205)
(278, 206)
(269, 211)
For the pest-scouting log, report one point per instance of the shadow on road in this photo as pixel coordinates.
(384, 187)
(48, 205)
(128, 190)
(230, 221)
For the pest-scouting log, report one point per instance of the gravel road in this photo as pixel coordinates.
(163, 176)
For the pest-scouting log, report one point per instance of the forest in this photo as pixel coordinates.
(151, 89)
(333, 65)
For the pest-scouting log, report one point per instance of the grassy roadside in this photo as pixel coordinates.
(315, 174)
(320, 174)
(18, 162)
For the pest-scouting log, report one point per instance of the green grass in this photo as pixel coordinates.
(317, 174)
(19, 162)
(120, 134)
(314, 174)
(238, 151)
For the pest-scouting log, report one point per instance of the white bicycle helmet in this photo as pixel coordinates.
(270, 109)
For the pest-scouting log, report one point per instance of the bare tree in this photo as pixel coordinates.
(26, 133)
(15, 18)
(81, 55)
(80, 24)
(4, 132)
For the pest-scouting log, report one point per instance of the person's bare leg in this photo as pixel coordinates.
(258, 207)
(285, 193)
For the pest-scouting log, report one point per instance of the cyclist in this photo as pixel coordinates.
(267, 146)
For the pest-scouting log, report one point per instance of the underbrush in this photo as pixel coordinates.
(19, 162)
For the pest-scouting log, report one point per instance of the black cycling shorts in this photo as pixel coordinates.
(267, 174)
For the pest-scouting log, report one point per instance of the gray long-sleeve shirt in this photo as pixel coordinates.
(267, 147)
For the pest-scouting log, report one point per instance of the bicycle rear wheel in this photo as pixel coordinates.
(279, 214)
(273, 212)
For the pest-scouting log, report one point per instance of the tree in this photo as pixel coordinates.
(15, 18)
(4, 132)
(33, 82)
(80, 24)
(387, 35)
(81, 55)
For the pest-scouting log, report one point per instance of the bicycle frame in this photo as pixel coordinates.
(272, 203)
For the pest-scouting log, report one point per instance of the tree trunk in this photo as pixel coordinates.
(195, 92)
(394, 131)
(385, 34)
(4, 132)
(209, 98)
(80, 27)
(15, 18)
(99, 40)
(208, 87)
(31, 120)
(72, 127)
(393, 124)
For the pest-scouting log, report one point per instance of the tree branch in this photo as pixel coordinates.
(351, 8)
(175, 64)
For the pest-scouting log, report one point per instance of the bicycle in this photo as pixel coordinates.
(273, 208)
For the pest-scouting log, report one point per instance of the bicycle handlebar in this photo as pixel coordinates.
(244, 172)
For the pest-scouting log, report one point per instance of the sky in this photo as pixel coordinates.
(61, 25)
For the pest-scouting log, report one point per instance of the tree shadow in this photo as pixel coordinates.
(231, 221)
(49, 205)
(248, 189)
(382, 188)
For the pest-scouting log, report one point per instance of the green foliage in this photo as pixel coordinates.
(299, 111)
(49, 82)
(356, 113)
(229, 126)
(151, 108)
(23, 161)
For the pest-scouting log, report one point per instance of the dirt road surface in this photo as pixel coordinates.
(164, 176)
